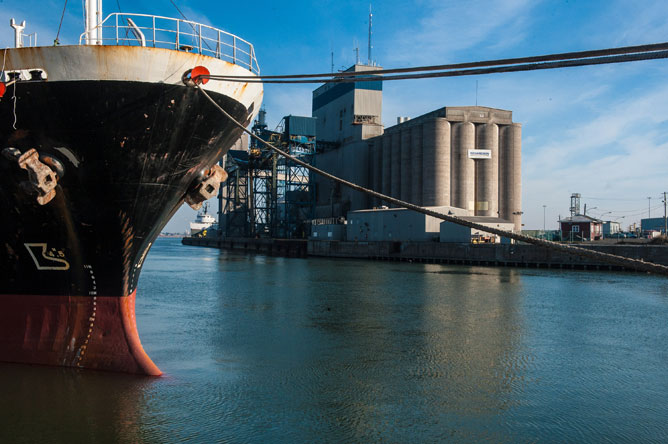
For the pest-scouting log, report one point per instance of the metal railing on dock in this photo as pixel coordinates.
(176, 34)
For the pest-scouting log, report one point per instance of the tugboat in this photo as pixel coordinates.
(100, 144)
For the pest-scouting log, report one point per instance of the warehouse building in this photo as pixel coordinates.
(653, 224)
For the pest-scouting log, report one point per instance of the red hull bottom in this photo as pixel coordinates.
(74, 331)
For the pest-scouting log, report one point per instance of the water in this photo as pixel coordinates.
(260, 349)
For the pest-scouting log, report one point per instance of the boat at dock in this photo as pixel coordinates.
(203, 221)
(101, 143)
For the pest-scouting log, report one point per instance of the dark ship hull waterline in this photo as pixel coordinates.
(131, 140)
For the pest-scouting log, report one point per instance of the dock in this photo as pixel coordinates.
(497, 255)
(270, 247)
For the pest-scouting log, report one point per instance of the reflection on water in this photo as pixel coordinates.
(260, 349)
(50, 404)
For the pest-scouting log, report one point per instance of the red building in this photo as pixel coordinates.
(581, 228)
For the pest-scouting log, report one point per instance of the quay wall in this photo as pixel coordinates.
(270, 247)
(511, 255)
(507, 255)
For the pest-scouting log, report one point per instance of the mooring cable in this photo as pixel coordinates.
(370, 76)
(612, 259)
(569, 56)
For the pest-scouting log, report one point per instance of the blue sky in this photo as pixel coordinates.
(600, 131)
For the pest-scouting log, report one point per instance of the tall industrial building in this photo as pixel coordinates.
(347, 115)
(463, 157)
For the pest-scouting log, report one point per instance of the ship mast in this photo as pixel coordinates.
(93, 20)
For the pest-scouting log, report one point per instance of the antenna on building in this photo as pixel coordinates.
(332, 61)
(370, 20)
(357, 55)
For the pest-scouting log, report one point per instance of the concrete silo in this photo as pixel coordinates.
(416, 165)
(375, 172)
(406, 165)
(468, 158)
(436, 153)
(462, 179)
(510, 174)
(486, 155)
(386, 155)
(395, 182)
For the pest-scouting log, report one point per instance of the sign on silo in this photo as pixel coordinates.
(480, 154)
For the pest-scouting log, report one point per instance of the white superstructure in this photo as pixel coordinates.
(203, 220)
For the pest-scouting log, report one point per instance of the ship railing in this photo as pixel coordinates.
(181, 35)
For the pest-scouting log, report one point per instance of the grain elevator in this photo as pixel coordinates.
(463, 160)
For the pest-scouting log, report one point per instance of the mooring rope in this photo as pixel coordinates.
(612, 259)
(625, 50)
(62, 16)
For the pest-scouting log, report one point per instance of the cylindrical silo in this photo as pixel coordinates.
(395, 183)
(462, 176)
(510, 174)
(436, 163)
(406, 166)
(386, 154)
(487, 171)
(378, 165)
(416, 165)
(374, 173)
(504, 168)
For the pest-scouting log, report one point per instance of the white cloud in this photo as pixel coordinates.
(620, 155)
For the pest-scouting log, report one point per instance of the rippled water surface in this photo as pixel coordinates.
(262, 349)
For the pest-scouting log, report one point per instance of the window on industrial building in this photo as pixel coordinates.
(575, 229)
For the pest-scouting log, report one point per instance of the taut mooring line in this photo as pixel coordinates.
(612, 259)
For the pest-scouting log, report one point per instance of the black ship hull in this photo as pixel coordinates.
(129, 151)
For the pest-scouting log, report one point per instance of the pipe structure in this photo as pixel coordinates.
(487, 171)
(462, 182)
(436, 149)
(93, 21)
(18, 32)
(416, 164)
(406, 164)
